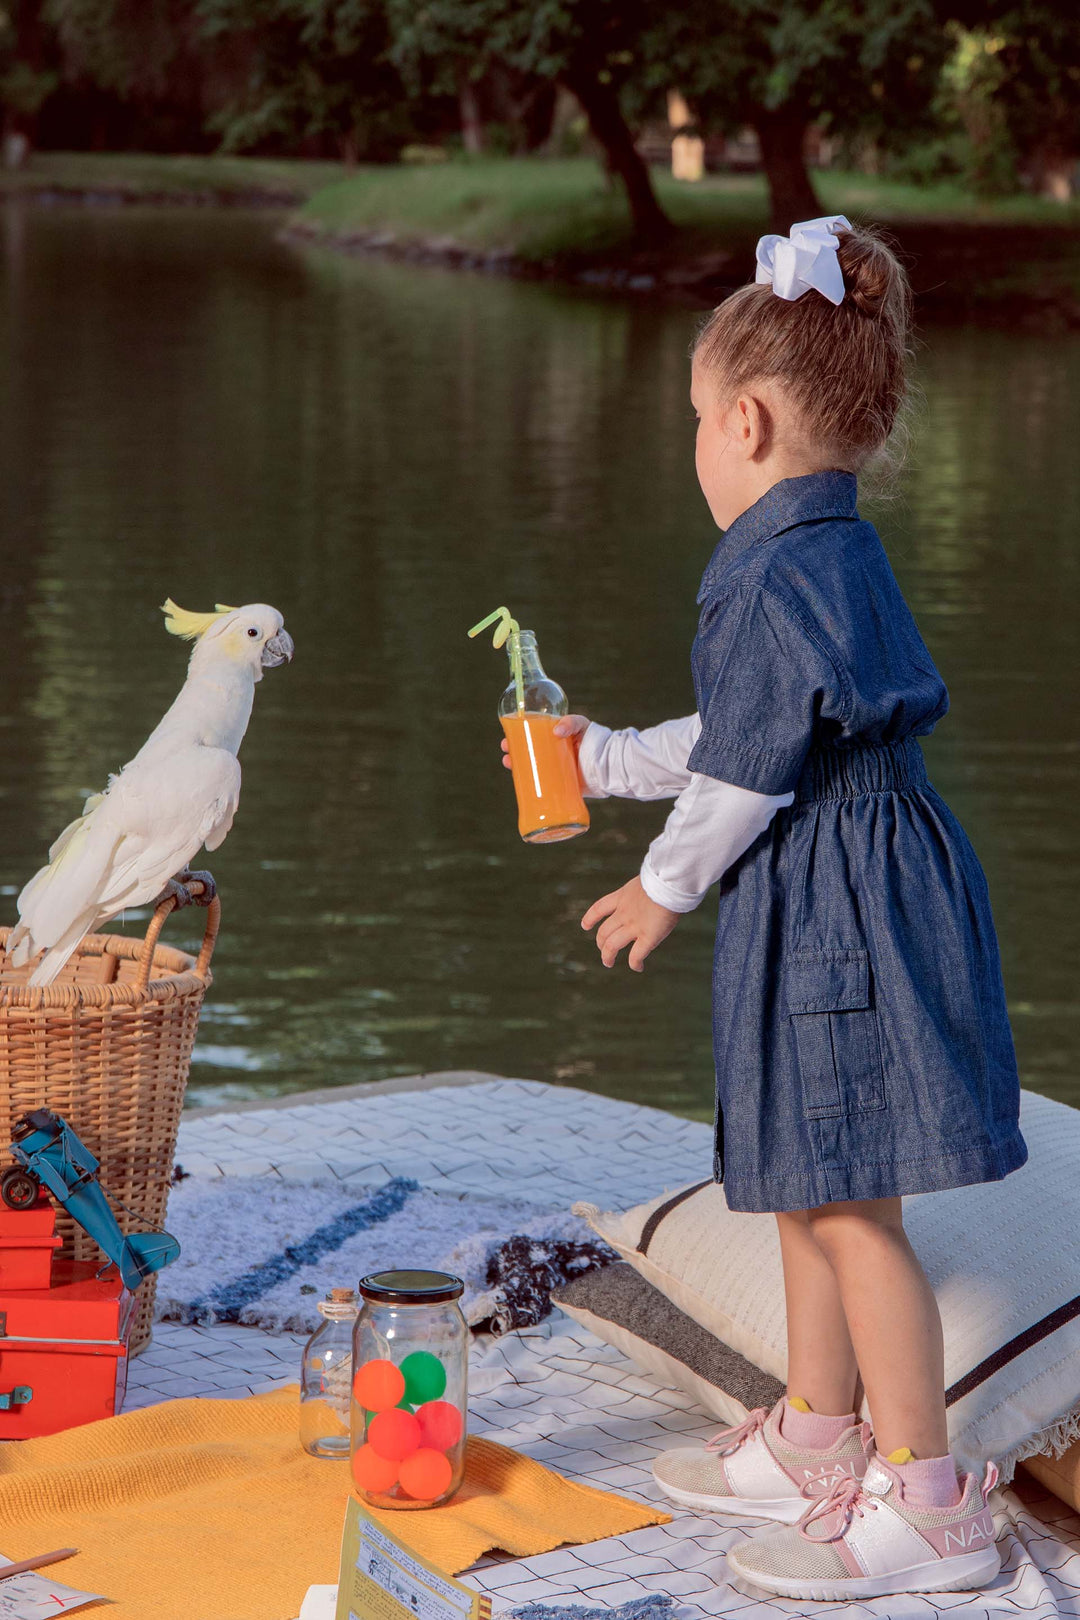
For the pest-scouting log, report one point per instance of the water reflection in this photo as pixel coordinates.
(189, 408)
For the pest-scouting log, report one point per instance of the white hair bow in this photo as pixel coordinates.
(805, 260)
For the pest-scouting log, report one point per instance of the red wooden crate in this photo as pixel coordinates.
(26, 1264)
(27, 1244)
(39, 1221)
(63, 1351)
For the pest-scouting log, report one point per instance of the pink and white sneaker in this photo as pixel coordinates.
(752, 1471)
(865, 1541)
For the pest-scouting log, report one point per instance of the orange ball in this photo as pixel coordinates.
(394, 1434)
(440, 1425)
(372, 1472)
(378, 1385)
(425, 1475)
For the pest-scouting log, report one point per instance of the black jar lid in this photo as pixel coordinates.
(411, 1287)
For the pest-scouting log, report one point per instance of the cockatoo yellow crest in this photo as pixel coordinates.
(190, 626)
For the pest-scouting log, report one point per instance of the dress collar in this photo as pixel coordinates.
(788, 503)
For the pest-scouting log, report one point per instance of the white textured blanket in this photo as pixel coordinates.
(557, 1393)
(263, 1252)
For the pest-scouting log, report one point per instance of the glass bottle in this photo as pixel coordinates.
(410, 1389)
(545, 767)
(326, 1377)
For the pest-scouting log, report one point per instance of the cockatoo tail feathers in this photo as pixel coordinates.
(69, 884)
(57, 849)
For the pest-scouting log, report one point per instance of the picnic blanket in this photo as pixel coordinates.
(202, 1508)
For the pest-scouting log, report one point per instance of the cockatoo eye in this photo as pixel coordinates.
(252, 630)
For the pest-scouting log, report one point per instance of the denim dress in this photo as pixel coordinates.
(862, 1042)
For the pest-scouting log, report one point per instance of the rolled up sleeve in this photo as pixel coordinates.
(711, 825)
(764, 680)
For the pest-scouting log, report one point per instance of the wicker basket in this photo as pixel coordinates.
(108, 1046)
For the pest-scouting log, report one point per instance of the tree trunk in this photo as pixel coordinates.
(536, 115)
(472, 123)
(600, 104)
(1052, 169)
(782, 136)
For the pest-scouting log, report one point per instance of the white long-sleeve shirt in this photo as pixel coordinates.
(712, 823)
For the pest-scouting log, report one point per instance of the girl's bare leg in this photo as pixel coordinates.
(821, 1358)
(893, 1322)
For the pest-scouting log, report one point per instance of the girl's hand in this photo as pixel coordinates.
(571, 725)
(632, 919)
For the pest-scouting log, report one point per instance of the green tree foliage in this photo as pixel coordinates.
(971, 139)
(589, 46)
(27, 77)
(865, 68)
(1017, 72)
(137, 69)
(988, 89)
(313, 70)
(132, 47)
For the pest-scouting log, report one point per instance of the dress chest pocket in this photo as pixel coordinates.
(826, 994)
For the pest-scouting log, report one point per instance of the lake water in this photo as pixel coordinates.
(189, 407)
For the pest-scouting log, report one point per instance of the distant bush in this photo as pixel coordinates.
(424, 154)
(986, 170)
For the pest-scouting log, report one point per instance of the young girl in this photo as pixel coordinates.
(863, 1050)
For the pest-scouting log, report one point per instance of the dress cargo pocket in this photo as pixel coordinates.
(827, 997)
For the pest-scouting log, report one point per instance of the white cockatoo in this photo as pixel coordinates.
(178, 793)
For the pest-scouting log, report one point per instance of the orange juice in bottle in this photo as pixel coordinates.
(546, 779)
(545, 768)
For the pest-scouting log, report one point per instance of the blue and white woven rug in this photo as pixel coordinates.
(263, 1252)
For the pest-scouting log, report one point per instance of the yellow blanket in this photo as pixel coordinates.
(210, 1510)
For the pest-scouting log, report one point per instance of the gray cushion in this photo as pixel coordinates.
(621, 1298)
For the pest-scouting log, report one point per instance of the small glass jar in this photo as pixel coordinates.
(326, 1377)
(410, 1389)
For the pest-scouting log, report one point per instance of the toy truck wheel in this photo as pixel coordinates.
(19, 1189)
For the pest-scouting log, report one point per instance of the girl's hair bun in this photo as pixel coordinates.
(843, 366)
(872, 276)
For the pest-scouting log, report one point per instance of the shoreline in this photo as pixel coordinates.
(687, 276)
(128, 179)
(49, 195)
(1013, 264)
(704, 278)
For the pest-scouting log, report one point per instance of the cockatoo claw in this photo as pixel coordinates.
(177, 889)
(209, 887)
(177, 893)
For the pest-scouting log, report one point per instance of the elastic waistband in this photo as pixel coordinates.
(848, 773)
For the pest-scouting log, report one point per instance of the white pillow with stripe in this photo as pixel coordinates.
(1003, 1259)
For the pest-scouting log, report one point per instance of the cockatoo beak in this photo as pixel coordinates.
(278, 650)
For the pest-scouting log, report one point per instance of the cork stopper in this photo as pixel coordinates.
(340, 1305)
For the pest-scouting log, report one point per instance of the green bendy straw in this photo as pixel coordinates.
(507, 629)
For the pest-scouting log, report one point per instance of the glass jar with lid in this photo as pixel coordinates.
(410, 1389)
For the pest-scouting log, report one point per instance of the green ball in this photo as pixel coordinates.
(425, 1377)
(404, 1405)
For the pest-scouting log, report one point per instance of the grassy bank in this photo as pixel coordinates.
(1014, 259)
(558, 217)
(140, 177)
(539, 209)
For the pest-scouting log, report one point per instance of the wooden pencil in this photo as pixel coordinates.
(26, 1565)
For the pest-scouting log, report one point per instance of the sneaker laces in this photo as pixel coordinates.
(727, 1441)
(846, 1501)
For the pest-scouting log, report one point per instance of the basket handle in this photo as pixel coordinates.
(157, 923)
